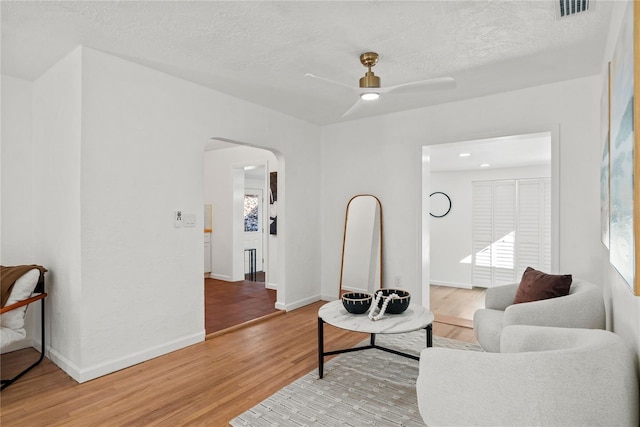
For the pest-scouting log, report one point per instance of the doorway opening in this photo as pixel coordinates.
(244, 266)
(489, 210)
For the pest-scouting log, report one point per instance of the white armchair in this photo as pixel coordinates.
(543, 376)
(582, 308)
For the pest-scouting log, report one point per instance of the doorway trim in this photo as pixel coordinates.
(554, 131)
(277, 272)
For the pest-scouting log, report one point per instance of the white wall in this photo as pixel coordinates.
(16, 246)
(16, 176)
(218, 191)
(56, 205)
(142, 280)
(451, 235)
(383, 155)
(117, 148)
(153, 127)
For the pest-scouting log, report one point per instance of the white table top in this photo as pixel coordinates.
(412, 319)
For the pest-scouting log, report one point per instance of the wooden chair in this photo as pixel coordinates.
(12, 329)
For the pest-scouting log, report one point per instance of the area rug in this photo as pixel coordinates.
(362, 388)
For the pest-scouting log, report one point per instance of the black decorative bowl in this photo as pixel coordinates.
(396, 305)
(356, 302)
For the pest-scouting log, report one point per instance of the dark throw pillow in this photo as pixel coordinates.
(536, 285)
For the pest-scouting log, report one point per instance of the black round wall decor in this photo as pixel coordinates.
(440, 204)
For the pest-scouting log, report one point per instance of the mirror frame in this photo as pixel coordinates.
(344, 239)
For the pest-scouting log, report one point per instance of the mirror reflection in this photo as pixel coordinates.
(361, 269)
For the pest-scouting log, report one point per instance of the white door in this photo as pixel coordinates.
(253, 227)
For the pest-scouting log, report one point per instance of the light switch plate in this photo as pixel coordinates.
(189, 220)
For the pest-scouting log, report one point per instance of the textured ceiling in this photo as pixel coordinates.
(260, 51)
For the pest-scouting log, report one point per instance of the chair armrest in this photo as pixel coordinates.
(527, 338)
(22, 303)
(541, 388)
(500, 297)
(579, 310)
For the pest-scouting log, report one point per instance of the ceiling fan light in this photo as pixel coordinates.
(369, 96)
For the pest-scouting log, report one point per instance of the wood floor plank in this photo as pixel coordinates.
(456, 302)
(229, 304)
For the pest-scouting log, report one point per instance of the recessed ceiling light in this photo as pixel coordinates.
(464, 154)
(369, 96)
(485, 165)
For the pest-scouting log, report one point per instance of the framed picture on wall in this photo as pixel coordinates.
(273, 203)
(624, 171)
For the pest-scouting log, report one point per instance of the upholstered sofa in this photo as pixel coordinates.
(582, 308)
(542, 376)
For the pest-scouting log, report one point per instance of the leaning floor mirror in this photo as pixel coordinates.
(361, 269)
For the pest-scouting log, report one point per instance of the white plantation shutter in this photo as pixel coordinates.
(511, 229)
(546, 232)
(482, 233)
(504, 223)
(529, 225)
(534, 225)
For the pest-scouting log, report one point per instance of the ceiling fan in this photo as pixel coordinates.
(370, 89)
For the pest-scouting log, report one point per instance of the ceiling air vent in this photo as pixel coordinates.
(571, 7)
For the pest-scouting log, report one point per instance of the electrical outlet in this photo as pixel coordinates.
(178, 219)
(397, 281)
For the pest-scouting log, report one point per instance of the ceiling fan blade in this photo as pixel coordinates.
(329, 81)
(355, 107)
(430, 84)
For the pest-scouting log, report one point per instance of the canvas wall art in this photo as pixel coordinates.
(604, 165)
(273, 203)
(604, 194)
(622, 234)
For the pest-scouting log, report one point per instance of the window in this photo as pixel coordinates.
(251, 212)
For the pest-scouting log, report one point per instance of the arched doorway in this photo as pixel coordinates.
(237, 176)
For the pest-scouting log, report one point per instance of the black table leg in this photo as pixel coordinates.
(320, 347)
(372, 344)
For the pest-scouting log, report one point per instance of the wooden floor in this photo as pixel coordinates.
(208, 383)
(229, 304)
(455, 306)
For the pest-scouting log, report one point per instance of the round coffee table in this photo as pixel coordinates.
(414, 318)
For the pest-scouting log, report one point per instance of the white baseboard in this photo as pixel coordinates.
(349, 289)
(298, 304)
(220, 277)
(328, 297)
(271, 286)
(63, 363)
(452, 284)
(87, 374)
